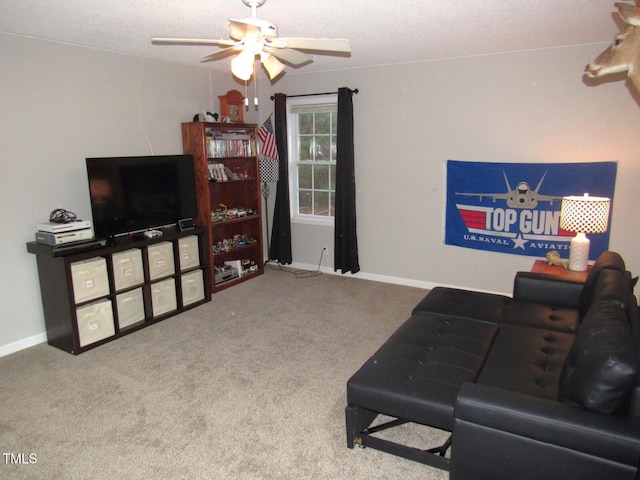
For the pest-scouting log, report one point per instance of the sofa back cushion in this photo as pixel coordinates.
(606, 261)
(612, 286)
(600, 369)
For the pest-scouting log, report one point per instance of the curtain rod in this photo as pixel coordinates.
(314, 94)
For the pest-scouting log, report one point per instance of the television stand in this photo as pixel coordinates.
(91, 296)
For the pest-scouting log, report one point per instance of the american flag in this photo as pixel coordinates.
(265, 133)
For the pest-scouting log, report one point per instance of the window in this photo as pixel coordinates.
(312, 123)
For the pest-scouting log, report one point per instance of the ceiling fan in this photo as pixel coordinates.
(254, 36)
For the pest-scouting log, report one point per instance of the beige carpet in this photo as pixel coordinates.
(249, 386)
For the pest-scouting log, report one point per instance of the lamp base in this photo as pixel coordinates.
(579, 253)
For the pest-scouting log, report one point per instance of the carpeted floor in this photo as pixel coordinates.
(248, 386)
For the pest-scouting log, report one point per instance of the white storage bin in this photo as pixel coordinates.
(160, 260)
(189, 252)
(89, 279)
(163, 296)
(130, 306)
(95, 322)
(127, 268)
(192, 287)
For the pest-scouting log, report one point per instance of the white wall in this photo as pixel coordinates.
(60, 104)
(520, 107)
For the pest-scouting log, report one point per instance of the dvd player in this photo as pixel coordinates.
(77, 247)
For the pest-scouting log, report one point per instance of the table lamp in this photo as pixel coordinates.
(583, 215)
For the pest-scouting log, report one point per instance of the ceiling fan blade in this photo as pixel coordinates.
(291, 56)
(320, 44)
(238, 28)
(225, 52)
(192, 41)
(272, 66)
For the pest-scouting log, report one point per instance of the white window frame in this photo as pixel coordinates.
(295, 106)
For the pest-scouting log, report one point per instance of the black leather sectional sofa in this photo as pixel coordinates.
(541, 385)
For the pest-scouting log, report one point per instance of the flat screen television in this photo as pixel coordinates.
(133, 194)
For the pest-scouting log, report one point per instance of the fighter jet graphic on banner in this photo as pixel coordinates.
(520, 197)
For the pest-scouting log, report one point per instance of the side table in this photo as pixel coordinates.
(542, 266)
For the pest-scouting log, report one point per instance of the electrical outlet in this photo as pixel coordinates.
(325, 251)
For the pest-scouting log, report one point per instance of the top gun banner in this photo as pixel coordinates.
(515, 207)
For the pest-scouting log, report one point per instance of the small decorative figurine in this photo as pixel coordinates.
(553, 257)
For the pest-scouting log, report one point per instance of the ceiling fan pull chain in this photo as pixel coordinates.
(255, 85)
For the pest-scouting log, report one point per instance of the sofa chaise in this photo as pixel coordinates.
(542, 384)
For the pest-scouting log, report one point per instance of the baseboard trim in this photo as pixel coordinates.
(22, 344)
(407, 282)
(365, 276)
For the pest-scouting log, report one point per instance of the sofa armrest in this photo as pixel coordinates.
(547, 288)
(499, 434)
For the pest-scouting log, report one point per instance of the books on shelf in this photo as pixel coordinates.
(230, 144)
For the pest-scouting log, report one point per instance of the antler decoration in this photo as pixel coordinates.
(623, 55)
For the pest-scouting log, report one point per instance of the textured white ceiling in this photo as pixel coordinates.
(381, 32)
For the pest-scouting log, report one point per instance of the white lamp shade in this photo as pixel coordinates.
(242, 65)
(585, 214)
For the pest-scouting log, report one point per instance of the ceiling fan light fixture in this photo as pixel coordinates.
(254, 36)
(242, 65)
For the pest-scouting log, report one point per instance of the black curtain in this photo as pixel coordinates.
(345, 238)
(280, 248)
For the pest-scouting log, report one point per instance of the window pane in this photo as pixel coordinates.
(321, 204)
(334, 122)
(305, 179)
(305, 123)
(333, 203)
(323, 147)
(321, 177)
(332, 177)
(323, 123)
(305, 148)
(305, 206)
(313, 149)
(334, 147)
